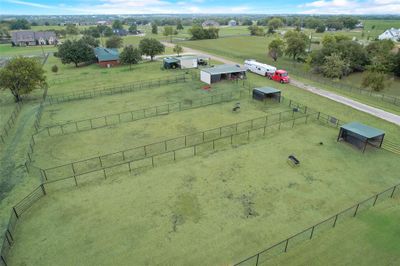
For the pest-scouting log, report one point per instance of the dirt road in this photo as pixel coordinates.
(390, 117)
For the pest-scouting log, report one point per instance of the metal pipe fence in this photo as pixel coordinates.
(10, 122)
(101, 91)
(309, 233)
(145, 151)
(135, 115)
(152, 155)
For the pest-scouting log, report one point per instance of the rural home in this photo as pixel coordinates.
(120, 32)
(31, 38)
(210, 23)
(232, 23)
(222, 72)
(106, 57)
(390, 34)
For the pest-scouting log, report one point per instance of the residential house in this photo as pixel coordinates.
(120, 32)
(390, 34)
(106, 57)
(210, 23)
(32, 38)
(232, 23)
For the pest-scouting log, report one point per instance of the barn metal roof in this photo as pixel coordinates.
(363, 130)
(224, 69)
(106, 54)
(267, 90)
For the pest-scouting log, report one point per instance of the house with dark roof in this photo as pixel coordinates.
(210, 23)
(106, 57)
(120, 32)
(32, 38)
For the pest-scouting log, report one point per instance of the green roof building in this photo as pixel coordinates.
(106, 57)
(361, 135)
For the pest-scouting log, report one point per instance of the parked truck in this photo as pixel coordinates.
(267, 71)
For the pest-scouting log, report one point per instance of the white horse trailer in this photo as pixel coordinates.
(259, 68)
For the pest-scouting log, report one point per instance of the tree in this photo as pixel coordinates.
(114, 42)
(396, 64)
(154, 28)
(296, 43)
(275, 48)
(133, 28)
(168, 31)
(130, 56)
(89, 40)
(200, 33)
(179, 25)
(117, 25)
(374, 80)
(320, 28)
(20, 24)
(274, 24)
(54, 69)
(21, 75)
(75, 52)
(256, 30)
(247, 22)
(72, 29)
(105, 30)
(178, 49)
(335, 66)
(151, 47)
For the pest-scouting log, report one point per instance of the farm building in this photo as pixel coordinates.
(232, 23)
(222, 72)
(390, 34)
(265, 93)
(106, 57)
(183, 62)
(32, 38)
(210, 23)
(361, 135)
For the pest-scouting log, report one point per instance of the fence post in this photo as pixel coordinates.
(258, 255)
(312, 232)
(334, 223)
(376, 198)
(43, 190)
(355, 213)
(286, 245)
(394, 188)
(15, 212)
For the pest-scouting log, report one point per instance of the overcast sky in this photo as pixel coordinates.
(25, 7)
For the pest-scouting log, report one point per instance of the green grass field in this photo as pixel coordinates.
(218, 207)
(369, 239)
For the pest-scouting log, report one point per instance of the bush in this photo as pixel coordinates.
(54, 69)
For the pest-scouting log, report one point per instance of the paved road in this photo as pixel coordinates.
(390, 117)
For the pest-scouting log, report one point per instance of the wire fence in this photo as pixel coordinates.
(137, 114)
(10, 122)
(266, 255)
(127, 87)
(171, 147)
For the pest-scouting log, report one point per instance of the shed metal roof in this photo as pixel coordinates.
(224, 69)
(363, 130)
(106, 54)
(267, 90)
(171, 60)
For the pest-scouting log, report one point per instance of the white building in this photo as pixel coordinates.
(232, 23)
(390, 34)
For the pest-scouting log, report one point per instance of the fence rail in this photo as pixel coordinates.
(101, 91)
(137, 114)
(10, 122)
(310, 232)
(391, 146)
(147, 151)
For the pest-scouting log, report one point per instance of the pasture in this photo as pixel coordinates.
(215, 203)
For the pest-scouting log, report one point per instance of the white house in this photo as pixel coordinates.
(390, 34)
(232, 23)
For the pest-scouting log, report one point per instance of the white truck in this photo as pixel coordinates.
(259, 68)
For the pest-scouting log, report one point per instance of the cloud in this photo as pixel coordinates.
(351, 7)
(24, 3)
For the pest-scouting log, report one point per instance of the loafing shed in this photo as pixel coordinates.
(222, 72)
(183, 62)
(265, 93)
(361, 135)
(106, 57)
(170, 63)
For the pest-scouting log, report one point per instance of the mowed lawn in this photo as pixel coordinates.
(212, 209)
(372, 238)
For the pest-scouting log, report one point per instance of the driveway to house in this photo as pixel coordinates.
(390, 117)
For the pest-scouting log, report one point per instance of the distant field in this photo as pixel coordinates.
(6, 50)
(369, 239)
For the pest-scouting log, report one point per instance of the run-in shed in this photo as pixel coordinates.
(361, 135)
(266, 92)
(171, 62)
(221, 72)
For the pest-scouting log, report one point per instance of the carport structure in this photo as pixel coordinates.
(222, 72)
(361, 135)
(266, 92)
